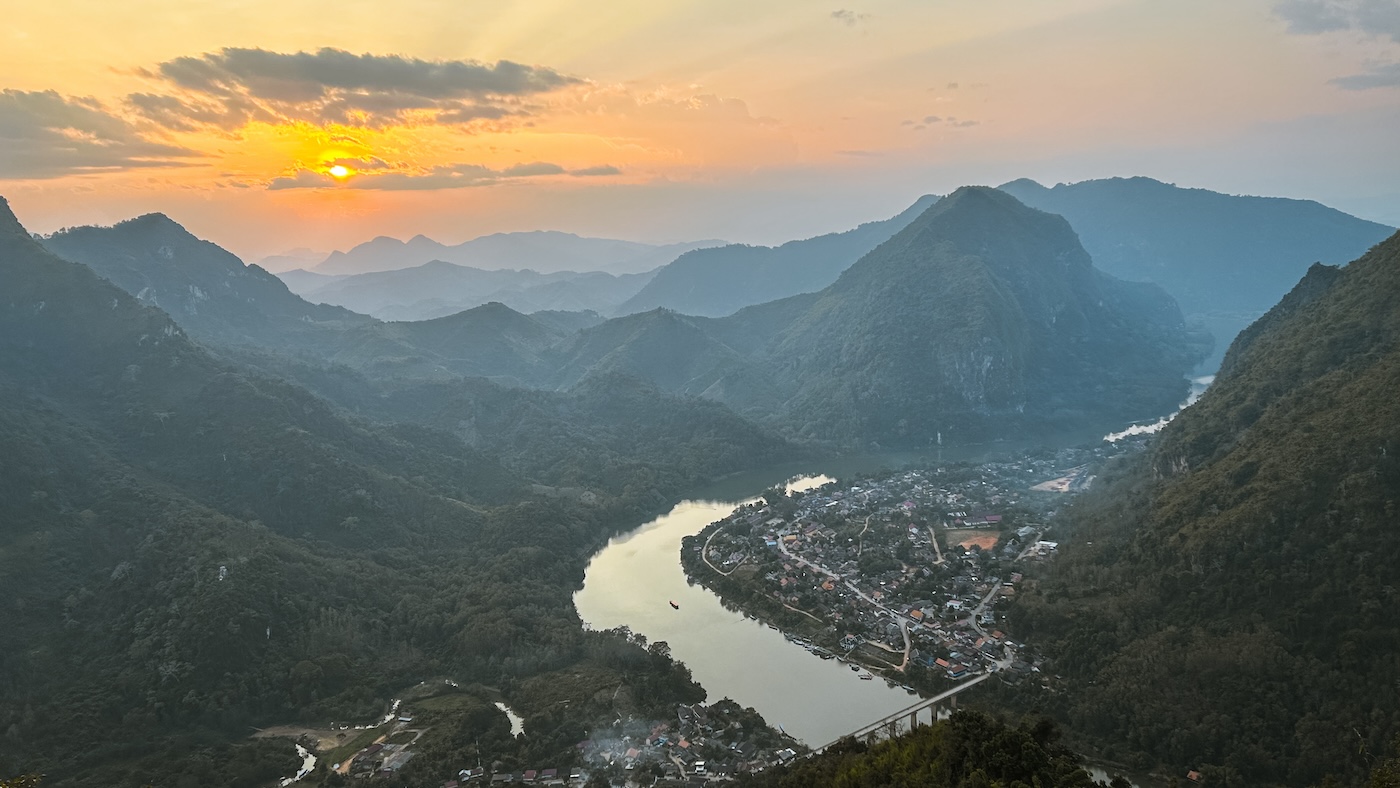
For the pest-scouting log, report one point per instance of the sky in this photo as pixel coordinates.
(269, 125)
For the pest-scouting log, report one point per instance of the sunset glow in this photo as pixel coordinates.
(678, 121)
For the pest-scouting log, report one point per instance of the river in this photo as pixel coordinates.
(632, 581)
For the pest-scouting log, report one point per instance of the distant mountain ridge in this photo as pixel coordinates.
(437, 289)
(545, 251)
(1225, 258)
(719, 281)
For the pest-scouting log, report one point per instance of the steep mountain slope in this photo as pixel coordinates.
(1229, 602)
(981, 317)
(214, 295)
(543, 251)
(1225, 258)
(717, 282)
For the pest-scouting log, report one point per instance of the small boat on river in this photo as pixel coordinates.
(675, 606)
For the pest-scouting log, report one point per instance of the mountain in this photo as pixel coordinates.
(544, 251)
(719, 281)
(1225, 258)
(437, 289)
(213, 294)
(191, 547)
(982, 318)
(1228, 602)
(290, 260)
(302, 281)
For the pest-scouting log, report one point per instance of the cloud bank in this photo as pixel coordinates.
(448, 176)
(235, 86)
(46, 135)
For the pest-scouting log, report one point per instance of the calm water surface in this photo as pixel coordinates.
(633, 580)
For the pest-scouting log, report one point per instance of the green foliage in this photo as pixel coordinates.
(1235, 612)
(191, 548)
(969, 749)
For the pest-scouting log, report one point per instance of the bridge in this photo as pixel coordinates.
(889, 727)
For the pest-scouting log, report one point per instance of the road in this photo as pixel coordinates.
(981, 606)
(705, 554)
(936, 549)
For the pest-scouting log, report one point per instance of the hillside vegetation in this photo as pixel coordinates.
(1230, 601)
(192, 547)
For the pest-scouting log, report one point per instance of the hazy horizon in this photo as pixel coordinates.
(667, 124)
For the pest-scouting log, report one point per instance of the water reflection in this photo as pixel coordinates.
(631, 583)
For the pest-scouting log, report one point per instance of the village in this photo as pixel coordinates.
(701, 743)
(899, 575)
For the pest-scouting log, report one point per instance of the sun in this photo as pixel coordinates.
(339, 172)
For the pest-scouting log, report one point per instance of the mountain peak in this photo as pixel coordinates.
(1022, 183)
(9, 223)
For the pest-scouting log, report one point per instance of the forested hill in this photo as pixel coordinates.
(719, 281)
(190, 548)
(207, 289)
(968, 750)
(1229, 602)
(982, 318)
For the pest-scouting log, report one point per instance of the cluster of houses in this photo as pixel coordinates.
(907, 569)
(480, 776)
(704, 743)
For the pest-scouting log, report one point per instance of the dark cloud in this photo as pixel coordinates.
(533, 168)
(304, 179)
(1311, 17)
(233, 86)
(449, 176)
(364, 163)
(1382, 76)
(594, 172)
(932, 119)
(46, 135)
(849, 18)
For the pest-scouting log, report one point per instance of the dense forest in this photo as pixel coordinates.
(967, 750)
(1229, 602)
(193, 547)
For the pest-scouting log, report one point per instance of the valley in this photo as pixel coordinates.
(256, 512)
